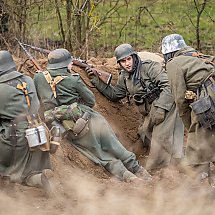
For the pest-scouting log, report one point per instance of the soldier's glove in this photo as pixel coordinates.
(91, 72)
(159, 116)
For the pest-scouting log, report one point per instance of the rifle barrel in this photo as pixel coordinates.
(29, 55)
(44, 51)
(24, 49)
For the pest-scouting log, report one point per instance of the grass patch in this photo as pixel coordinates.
(141, 23)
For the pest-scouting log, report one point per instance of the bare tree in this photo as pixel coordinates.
(199, 9)
(60, 20)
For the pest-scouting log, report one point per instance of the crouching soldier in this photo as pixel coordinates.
(18, 119)
(69, 102)
(146, 82)
(192, 77)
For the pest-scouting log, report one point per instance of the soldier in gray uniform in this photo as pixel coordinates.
(17, 161)
(191, 75)
(86, 129)
(146, 82)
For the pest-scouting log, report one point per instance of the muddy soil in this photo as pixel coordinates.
(81, 187)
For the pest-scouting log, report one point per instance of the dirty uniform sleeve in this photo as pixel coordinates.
(113, 93)
(159, 76)
(86, 95)
(178, 86)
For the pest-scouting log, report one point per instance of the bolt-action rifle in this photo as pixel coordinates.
(31, 58)
(102, 75)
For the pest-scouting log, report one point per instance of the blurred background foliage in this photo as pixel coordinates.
(95, 27)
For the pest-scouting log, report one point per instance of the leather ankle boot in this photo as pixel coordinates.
(41, 180)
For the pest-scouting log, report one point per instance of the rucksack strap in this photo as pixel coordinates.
(53, 81)
(204, 58)
(23, 88)
(201, 56)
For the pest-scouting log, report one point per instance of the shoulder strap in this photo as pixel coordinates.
(20, 85)
(201, 56)
(53, 81)
(23, 88)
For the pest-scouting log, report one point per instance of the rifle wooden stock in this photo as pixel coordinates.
(102, 75)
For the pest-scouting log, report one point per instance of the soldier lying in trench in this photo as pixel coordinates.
(67, 99)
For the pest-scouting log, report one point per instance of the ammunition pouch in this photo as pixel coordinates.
(152, 95)
(204, 109)
(147, 97)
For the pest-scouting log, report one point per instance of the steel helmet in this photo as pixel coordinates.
(6, 61)
(59, 58)
(123, 50)
(172, 43)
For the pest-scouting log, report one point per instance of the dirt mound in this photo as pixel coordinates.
(81, 187)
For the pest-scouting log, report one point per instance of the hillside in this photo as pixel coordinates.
(81, 187)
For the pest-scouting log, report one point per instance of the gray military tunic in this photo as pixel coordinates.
(188, 73)
(100, 144)
(166, 137)
(16, 159)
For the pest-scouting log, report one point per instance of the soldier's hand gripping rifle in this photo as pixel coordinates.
(102, 75)
(30, 57)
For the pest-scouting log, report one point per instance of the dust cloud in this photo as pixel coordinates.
(81, 187)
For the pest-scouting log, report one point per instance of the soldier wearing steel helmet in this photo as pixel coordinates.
(17, 161)
(74, 100)
(192, 83)
(146, 83)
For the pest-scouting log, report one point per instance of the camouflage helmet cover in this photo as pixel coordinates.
(123, 50)
(59, 58)
(6, 61)
(172, 43)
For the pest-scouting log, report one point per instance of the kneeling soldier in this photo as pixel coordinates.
(18, 117)
(146, 83)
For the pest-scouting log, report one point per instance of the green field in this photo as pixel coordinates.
(141, 23)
